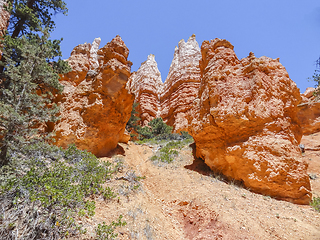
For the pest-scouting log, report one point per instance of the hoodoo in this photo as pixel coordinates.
(182, 85)
(95, 104)
(147, 86)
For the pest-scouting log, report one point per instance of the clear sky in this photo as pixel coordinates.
(288, 29)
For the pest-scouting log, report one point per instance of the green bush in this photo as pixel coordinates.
(316, 204)
(42, 195)
(168, 152)
(155, 129)
(104, 231)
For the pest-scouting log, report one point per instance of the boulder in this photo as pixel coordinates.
(245, 123)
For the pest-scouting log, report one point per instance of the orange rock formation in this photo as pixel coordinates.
(146, 84)
(182, 85)
(95, 104)
(309, 112)
(171, 100)
(245, 122)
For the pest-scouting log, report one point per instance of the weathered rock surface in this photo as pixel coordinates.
(245, 123)
(309, 112)
(182, 85)
(171, 100)
(146, 84)
(95, 104)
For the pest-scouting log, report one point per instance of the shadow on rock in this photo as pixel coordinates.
(202, 168)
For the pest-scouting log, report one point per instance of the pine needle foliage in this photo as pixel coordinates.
(29, 78)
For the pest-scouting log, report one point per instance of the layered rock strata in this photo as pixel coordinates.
(245, 123)
(171, 100)
(182, 85)
(309, 112)
(146, 84)
(95, 104)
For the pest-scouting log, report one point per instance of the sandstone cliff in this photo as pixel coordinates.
(245, 122)
(182, 85)
(146, 84)
(95, 104)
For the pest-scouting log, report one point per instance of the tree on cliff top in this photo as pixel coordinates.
(316, 77)
(29, 74)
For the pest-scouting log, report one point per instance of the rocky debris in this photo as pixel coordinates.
(309, 112)
(245, 123)
(95, 104)
(146, 84)
(182, 85)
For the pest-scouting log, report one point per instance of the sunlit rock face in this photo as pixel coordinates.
(182, 85)
(95, 104)
(171, 100)
(309, 112)
(147, 86)
(245, 122)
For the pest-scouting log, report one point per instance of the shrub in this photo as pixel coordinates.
(43, 193)
(168, 152)
(104, 231)
(316, 203)
(155, 129)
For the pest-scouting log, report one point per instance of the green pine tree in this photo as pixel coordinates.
(29, 74)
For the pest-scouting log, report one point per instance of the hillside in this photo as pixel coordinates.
(186, 200)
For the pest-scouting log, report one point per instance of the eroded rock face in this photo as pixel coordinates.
(95, 104)
(245, 123)
(309, 112)
(171, 100)
(146, 84)
(182, 85)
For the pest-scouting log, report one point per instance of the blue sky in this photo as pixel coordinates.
(288, 29)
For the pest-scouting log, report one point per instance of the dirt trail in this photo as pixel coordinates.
(182, 200)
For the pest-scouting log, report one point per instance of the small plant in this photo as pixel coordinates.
(104, 231)
(107, 193)
(316, 203)
(168, 152)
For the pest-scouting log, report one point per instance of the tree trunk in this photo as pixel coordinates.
(17, 30)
